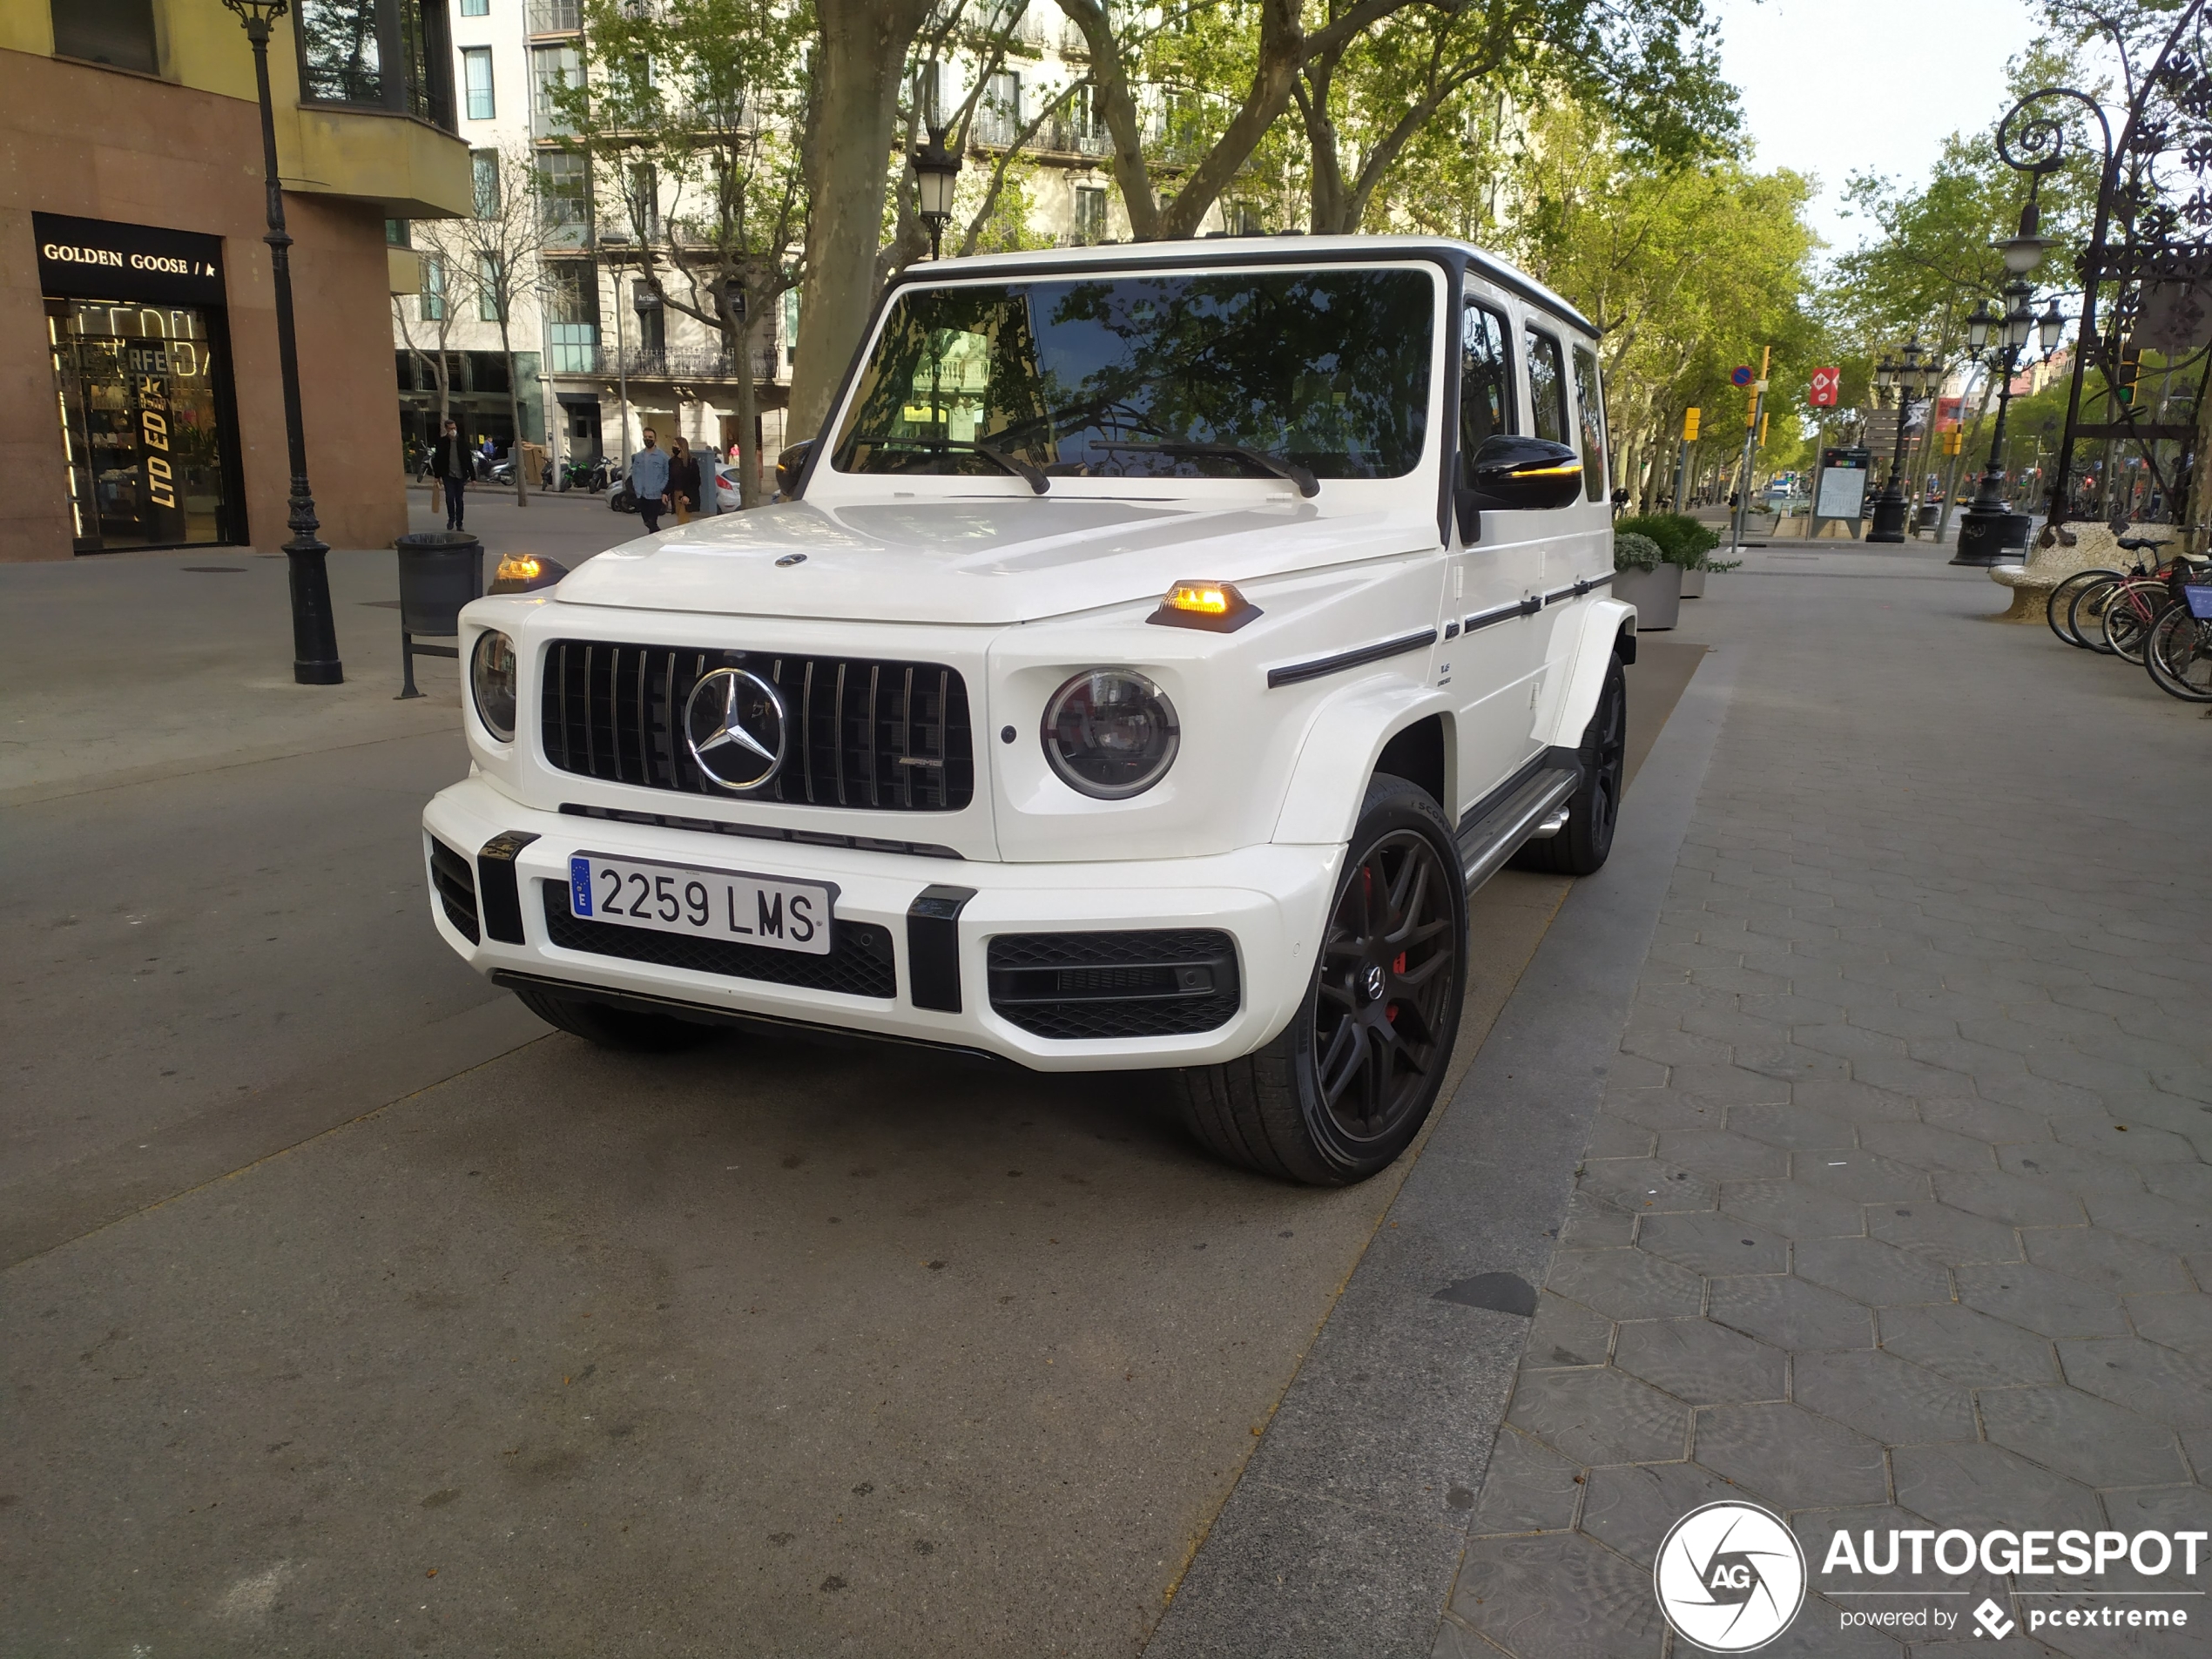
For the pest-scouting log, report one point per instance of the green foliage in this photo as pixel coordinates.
(1681, 539)
(1632, 551)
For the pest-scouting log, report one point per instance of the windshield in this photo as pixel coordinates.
(1151, 375)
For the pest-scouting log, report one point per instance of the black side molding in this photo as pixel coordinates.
(496, 890)
(1295, 673)
(932, 948)
(1582, 585)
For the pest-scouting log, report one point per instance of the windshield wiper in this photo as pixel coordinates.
(1274, 465)
(1030, 475)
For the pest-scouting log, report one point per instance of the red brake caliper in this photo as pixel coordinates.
(1397, 967)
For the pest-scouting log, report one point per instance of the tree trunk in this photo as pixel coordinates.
(748, 408)
(861, 53)
(514, 413)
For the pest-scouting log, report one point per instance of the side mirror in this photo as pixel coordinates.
(1522, 475)
(789, 465)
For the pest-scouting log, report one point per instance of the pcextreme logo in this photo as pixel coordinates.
(1730, 1577)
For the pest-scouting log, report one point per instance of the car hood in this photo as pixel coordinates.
(988, 562)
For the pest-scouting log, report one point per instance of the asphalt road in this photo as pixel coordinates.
(348, 1312)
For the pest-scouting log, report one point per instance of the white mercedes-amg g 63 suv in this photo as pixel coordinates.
(1157, 646)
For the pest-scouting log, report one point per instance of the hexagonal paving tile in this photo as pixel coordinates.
(1860, 1175)
(1870, 1272)
(2014, 1200)
(2041, 1300)
(1560, 1596)
(1699, 1361)
(1877, 1393)
(1943, 1234)
(1708, 1241)
(1799, 1461)
(1968, 1347)
(2112, 1260)
(1648, 1186)
(2155, 1382)
(1793, 1208)
(1527, 1487)
(2096, 1442)
(2070, 1169)
(1791, 1314)
(1625, 1284)
(1600, 1416)
(1977, 1485)
(1791, 1126)
(1630, 1507)
(2182, 1322)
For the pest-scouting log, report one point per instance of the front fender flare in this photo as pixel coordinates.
(1344, 738)
(1585, 654)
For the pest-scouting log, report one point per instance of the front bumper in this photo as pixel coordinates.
(1270, 900)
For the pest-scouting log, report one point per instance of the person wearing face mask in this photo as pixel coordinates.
(649, 479)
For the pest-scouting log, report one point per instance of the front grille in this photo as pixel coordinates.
(456, 887)
(890, 736)
(859, 962)
(1163, 983)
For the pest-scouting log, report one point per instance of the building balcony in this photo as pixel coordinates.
(690, 365)
(555, 17)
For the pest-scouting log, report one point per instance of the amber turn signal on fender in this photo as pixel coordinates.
(526, 572)
(1216, 607)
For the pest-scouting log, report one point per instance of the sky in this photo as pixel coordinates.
(1833, 87)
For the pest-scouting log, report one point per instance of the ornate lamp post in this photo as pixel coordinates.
(937, 170)
(1992, 532)
(314, 632)
(1909, 379)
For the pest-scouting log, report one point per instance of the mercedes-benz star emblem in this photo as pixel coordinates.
(734, 724)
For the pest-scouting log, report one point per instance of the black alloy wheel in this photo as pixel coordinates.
(1585, 841)
(1342, 1089)
(1387, 965)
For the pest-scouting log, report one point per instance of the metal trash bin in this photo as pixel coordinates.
(440, 571)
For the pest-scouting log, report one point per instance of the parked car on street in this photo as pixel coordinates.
(1159, 644)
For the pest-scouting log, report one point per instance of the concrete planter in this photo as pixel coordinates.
(1693, 583)
(1655, 593)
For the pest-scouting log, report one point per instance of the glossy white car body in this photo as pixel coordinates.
(1490, 654)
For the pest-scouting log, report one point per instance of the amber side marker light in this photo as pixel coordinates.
(1216, 607)
(525, 573)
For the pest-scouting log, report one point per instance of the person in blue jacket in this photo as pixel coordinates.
(649, 480)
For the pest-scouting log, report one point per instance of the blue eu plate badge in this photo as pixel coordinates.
(580, 886)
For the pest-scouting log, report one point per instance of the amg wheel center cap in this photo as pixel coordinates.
(734, 725)
(1375, 983)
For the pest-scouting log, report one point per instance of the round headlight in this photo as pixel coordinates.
(492, 678)
(1110, 733)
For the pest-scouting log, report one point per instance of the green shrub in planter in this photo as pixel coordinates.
(1633, 552)
(1682, 539)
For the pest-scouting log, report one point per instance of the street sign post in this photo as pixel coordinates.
(1741, 376)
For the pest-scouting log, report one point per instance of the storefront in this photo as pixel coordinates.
(138, 327)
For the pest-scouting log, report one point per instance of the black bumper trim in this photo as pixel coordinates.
(496, 889)
(932, 948)
(1295, 673)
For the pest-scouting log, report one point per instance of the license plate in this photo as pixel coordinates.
(728, 905)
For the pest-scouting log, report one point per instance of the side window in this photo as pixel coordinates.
(1486, 379)
(1589, 398)
(1547, 388)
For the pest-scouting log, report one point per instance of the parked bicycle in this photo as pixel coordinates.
(2178, 653)
(2157, 615)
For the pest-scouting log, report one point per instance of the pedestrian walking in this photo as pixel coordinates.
(649, 481)
(450, 464)
(683, 478)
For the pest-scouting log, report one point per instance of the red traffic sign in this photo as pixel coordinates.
(1822, 393)
(1741, 374)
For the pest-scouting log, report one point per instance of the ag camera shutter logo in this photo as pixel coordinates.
(1730, 1577)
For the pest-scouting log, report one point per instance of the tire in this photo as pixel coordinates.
(2178, 656)
(1586, 839)
(2085, 613)
(609, 1027)
(1344, 1088)
(2128, 617)
(2058, 608)
(623, 500)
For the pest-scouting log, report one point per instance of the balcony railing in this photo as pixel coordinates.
(555, 17)
(695, 363)
(1062, 135)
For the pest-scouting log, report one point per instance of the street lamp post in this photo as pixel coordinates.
(314, 632)
(1908, 378)
(937, 170)
(1992, 532)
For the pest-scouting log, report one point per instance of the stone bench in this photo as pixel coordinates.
(2050, 561)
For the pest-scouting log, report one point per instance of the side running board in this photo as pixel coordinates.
(1485, 844)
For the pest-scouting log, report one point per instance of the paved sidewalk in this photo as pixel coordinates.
(1897, 1204)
